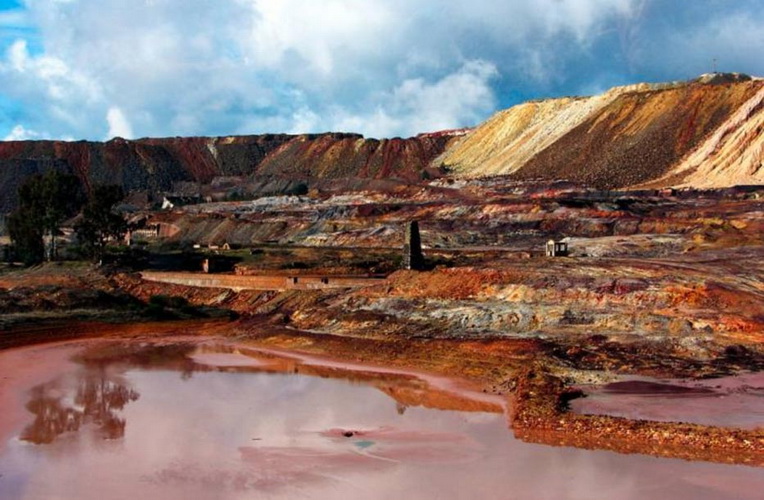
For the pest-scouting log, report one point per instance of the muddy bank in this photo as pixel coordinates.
(539, 399)
(72, 330)
(57, 293)
(540, 414)
(514, 369)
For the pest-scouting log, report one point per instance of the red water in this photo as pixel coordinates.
(728, 402)
(192, 421)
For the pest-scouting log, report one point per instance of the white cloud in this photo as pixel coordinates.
(304, 120)
(320, 35)
(19, 133)
(45, 81)
(18, 56)
(508, 22)
(462, 97)
(416, 105)
(49, 72)
(119, 126)
(394, 67)
(734, 40)
(380, 67)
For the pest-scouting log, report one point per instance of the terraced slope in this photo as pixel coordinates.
(333, 156)
(155, 164)
(705, 133)
(148, 164)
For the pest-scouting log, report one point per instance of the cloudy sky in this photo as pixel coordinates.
(95, 69)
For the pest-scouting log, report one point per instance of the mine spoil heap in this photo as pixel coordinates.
(627, 136)
(702, 133)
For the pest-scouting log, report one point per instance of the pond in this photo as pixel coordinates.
(736, 401)
(213, 420)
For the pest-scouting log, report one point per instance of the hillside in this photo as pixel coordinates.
(702, 133)
(156, 164)
(511, 138)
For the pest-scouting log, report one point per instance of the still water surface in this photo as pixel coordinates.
(103, 420)
(736, 401)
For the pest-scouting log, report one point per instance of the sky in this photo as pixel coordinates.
(98, 69)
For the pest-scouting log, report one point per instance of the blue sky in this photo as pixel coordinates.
(95, 69)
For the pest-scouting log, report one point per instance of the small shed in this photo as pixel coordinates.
(556, 248)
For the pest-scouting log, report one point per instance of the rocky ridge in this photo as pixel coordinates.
(702, 133)
(158, 165)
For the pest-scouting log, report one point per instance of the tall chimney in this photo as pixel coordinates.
(412, 248)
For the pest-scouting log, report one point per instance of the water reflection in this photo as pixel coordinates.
(97, 399)
(96, 394)
(734, 401)
(244, 426)
(174, 356)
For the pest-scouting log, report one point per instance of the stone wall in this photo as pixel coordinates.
(261, 282)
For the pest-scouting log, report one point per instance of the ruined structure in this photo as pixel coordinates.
(145, 233)
(170, 202)
(412, 248)
(556, 249)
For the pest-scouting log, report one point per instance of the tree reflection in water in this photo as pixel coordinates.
(98, 394)
(98, 397)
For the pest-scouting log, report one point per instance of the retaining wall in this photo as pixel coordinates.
(262, 282)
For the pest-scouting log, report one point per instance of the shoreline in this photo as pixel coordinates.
(534, 397)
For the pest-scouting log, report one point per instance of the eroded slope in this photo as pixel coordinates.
(701, 134)
(156, 165)
(734, 153)
(511, 138)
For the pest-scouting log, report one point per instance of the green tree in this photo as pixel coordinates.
(45, 202)
(26, 235)
(100, 223)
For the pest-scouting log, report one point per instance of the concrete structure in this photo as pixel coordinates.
(149, 232)
(412, 248)
(261, 282)
(556, 249)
